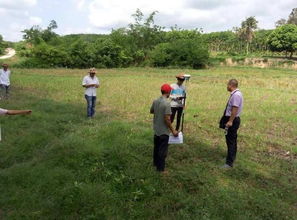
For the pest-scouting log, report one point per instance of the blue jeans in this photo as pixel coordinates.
(91, 103)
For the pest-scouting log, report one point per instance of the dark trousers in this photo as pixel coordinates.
(160, 151)
(231, 140)
(179, 111)
(4, 91)
(91, 103)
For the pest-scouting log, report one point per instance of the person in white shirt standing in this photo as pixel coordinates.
(91, 83)
(178, 95)
(4, 81)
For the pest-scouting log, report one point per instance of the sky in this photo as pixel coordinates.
(101, 16)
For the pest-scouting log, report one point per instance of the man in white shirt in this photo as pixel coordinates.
(91, 83)
(14, 112)
(178, 95)
(4, 81)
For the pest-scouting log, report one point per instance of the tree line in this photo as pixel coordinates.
(144, 43)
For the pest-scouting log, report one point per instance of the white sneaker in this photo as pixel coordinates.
(226, 166)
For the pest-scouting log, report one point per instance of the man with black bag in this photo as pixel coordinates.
(230, 121)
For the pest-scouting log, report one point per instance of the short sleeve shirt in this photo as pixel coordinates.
(236, 100)
(5, 77)
(177, 92)
(160, 108)
(3, 111)
(88, 81)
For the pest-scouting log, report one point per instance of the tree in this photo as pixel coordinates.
(246, 32)
(48, 34)
(293, 17)
(284, 39)
(33, 35)
(145, 34)
(37, 35)
(280, 22)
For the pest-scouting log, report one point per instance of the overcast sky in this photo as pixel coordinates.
(100, 16)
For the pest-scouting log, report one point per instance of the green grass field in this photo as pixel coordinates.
(56, 164)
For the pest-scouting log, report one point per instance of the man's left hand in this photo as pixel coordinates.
(229, 124)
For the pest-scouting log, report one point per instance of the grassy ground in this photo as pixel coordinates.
(56, 164)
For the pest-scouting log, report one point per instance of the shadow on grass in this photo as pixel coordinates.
(62, 166)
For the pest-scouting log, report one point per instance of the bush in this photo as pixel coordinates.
(110, 55)
(161, 55)
(191, 53)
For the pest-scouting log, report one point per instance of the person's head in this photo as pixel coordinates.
(166, 90)
(5, 66)
(180, 79)
(232, 85)
(92, 72)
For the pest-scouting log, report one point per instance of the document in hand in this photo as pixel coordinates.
(176, 140)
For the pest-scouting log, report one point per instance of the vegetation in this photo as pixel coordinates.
(284, 38)
(55, 164)
(246, 32)
(144, 43)
(2, 45)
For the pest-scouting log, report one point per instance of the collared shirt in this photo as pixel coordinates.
(4, 77)
(160, 108)
(3, 111)
(236, 100)
(177, 93)
(88, 80)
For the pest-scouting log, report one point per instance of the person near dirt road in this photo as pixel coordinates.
(161, 110)
(14, 112)
(177, 95)
(231, 121)
(4, 81)
(91, 83)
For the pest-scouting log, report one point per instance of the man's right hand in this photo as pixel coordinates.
(175, 133)
(28, 112)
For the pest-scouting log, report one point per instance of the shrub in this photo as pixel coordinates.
(191, 53)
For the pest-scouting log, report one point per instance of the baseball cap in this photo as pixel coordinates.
(166, 88)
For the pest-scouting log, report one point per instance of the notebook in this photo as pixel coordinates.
(176, 140)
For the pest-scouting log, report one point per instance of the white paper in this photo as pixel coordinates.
(176, 140)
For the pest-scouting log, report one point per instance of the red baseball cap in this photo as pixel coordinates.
(166, 88)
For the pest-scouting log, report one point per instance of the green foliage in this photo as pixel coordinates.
(110, 55)
(2, 45)
(191, 53)
(140, 37)
(284, 38)
(143, 43)
(161, 56)
(37, 35)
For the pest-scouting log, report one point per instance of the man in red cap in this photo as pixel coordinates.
(162, 126)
